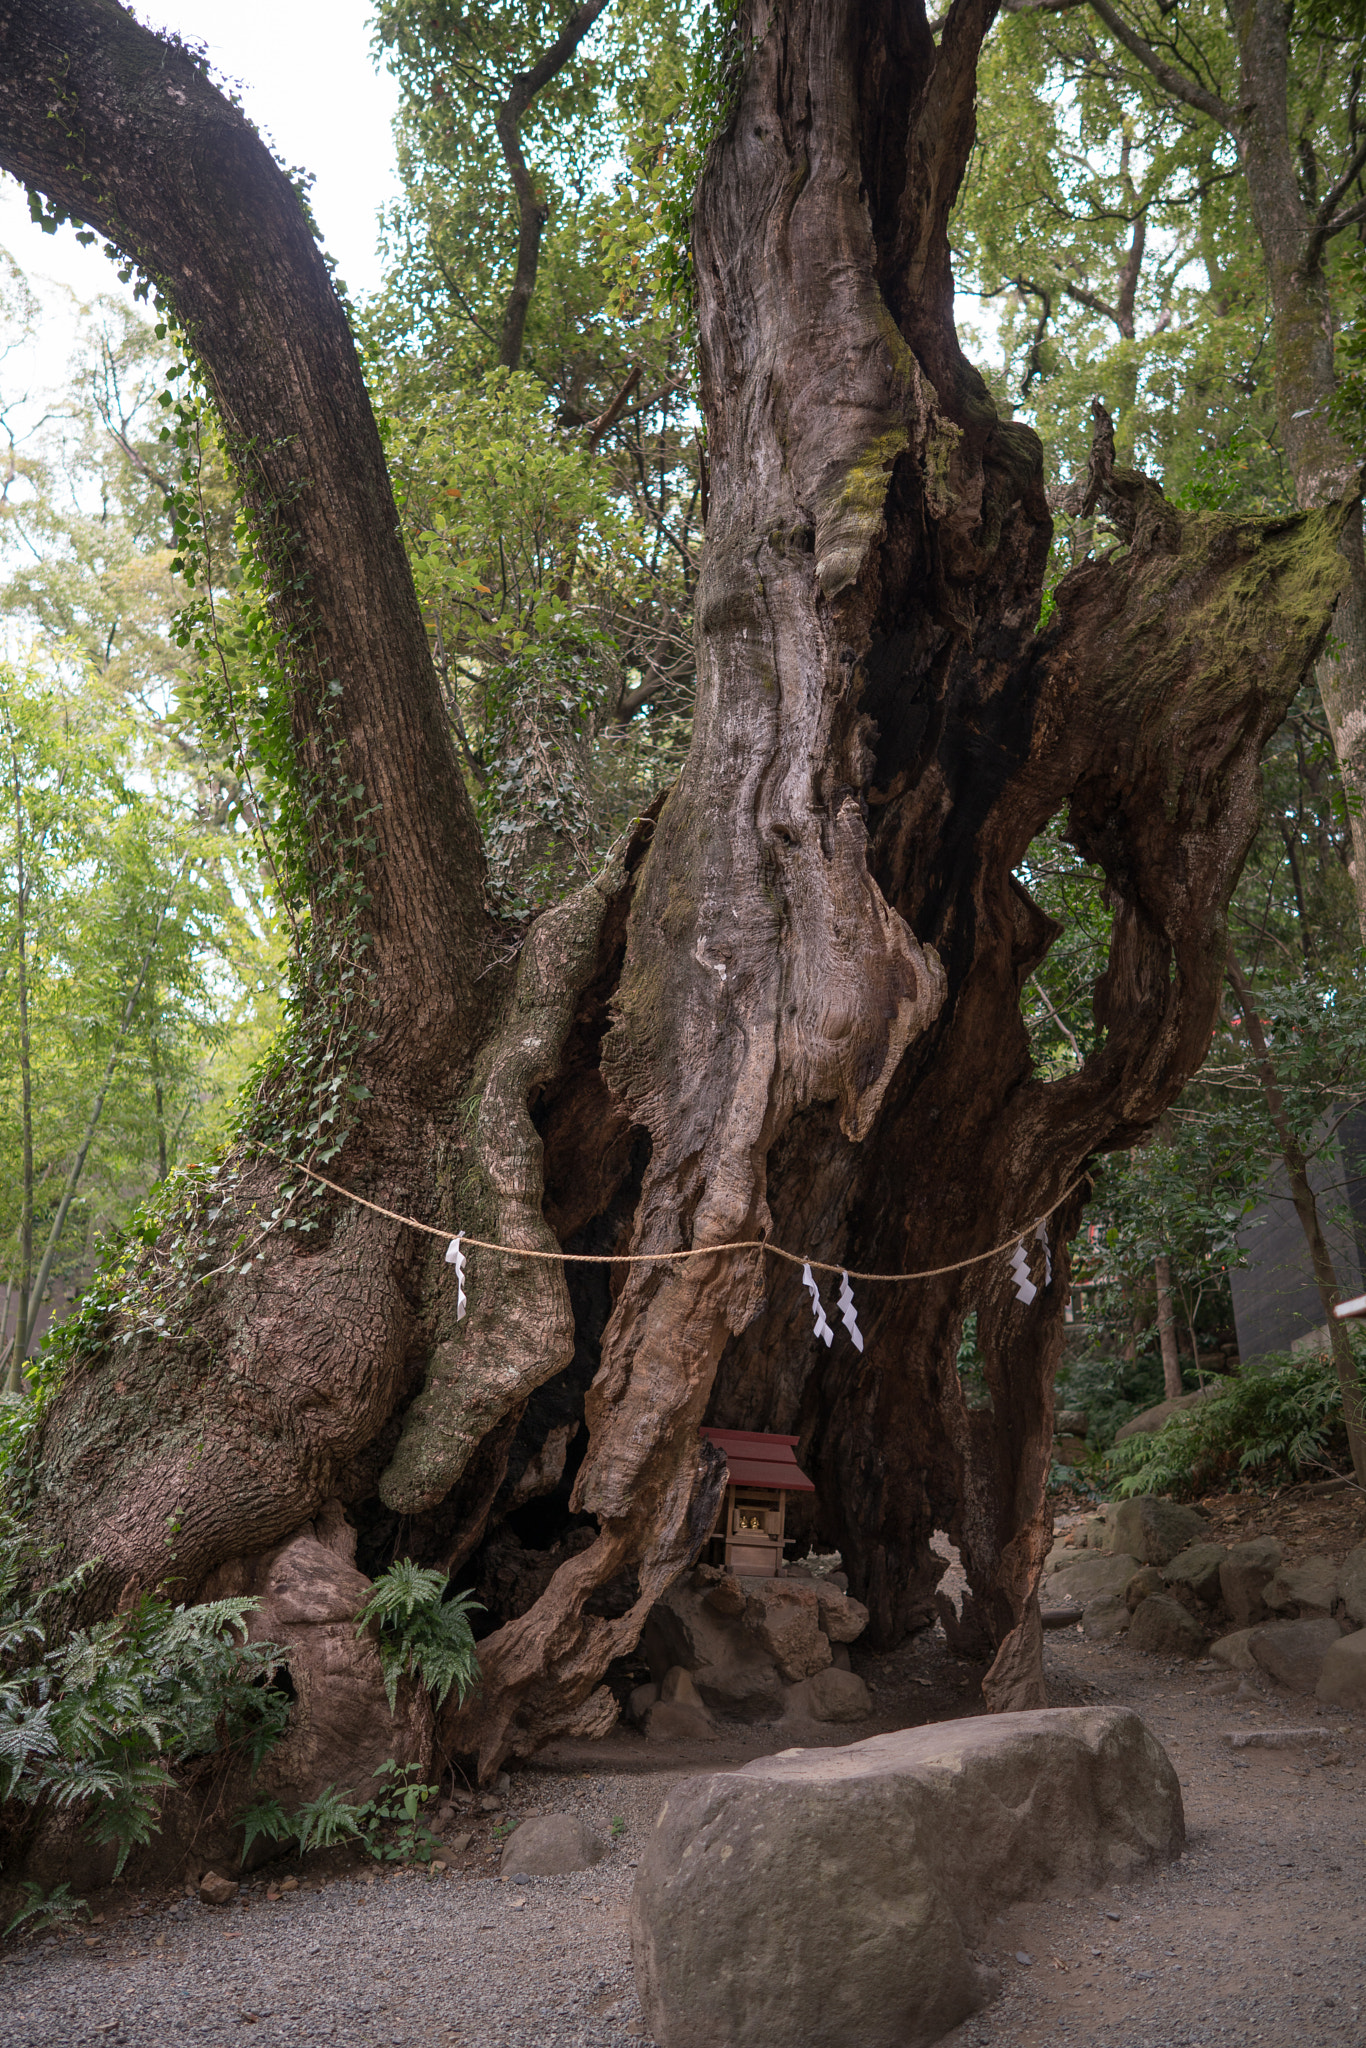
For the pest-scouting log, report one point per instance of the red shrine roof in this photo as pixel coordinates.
(756, 1459)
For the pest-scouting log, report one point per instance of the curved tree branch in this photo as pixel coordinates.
(126, 132)
(531, 208)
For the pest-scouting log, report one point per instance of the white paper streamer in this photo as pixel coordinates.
(1041, 1236)
(847, 1315)
(455, 1257)
(1025, 1290)
(823, 1328)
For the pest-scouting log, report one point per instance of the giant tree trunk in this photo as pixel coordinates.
(793, 1007)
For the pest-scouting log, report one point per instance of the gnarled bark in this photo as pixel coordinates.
(795, 1008)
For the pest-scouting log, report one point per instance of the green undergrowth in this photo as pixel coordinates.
(420, 1633)
(390, 1827)
(1278, 1422)
(102, 1721)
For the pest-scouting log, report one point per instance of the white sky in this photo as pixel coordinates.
(304, 73)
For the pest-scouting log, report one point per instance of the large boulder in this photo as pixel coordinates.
(1244, 1576)
(1342, 1676)
(1198, 1569)
(1310, 1588)
(1154, 1530)
(1352, 1584)
(1149, 1420)
(747, 1642)
(1091, 1575)
(1233, 1651)
(1146, 1582)
(825, 1897)
(832, 1695)
(1164, 1628)
(1293, 1652)
(784, 1617)
(1105, 1617)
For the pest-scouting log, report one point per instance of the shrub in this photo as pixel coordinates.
(1280, 1420)
(99, 1718)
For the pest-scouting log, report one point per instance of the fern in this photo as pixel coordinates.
(57, 1908)
(98, 1719)
(1279, 1420)
(323, 1822)
(421, 1634)
(266, 1820)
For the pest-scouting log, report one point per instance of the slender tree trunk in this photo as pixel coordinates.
(159, 1107)
(1307, 1209)
(1294, 232)
(21, 1330)
(1166, 1329)
(791, 1007)
(92, 1122)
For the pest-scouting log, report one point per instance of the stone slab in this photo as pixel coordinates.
(826, 1897)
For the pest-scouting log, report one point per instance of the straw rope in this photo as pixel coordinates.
(701, 1251)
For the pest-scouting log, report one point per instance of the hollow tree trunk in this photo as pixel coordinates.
(793, 1006)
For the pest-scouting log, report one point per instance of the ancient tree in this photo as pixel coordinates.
(789, 1009)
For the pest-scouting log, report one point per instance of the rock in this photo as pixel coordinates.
(1059, 1616)
(1232, 1651)
(839, 1657)
(726, 1596)
(1069, 1450)
(1198, 1568)
(639, 1700)
(1342, 1677)
(1293, 1651)
(678, 1721)
(831, 1695)
(830, 1896)
(1155, 1530)
(1090, 1576)
(1244, 1576)
(784, 1617)
(458, 1844)
(1162, 1626)
(1309, 1588)
(733, 1673)
(842, 1619)
(1145, 1582)
(340, 1729)
(217, 1891)
(1069, 1422)
(1096, 1532)
(1152, 1419)
(1352, 1583)
(1106, 1616)
(549, 1845)
(678, 1685)
(1063, 1553)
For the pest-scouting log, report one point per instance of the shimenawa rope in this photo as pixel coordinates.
(700, 1251)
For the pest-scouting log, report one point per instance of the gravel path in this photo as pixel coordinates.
(1257, 1936)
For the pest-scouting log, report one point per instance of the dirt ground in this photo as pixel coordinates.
(1257, 1934)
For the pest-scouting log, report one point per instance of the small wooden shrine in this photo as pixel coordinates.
(748, 1534)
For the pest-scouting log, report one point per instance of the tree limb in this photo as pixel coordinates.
(1176, 81)
(532, 210)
